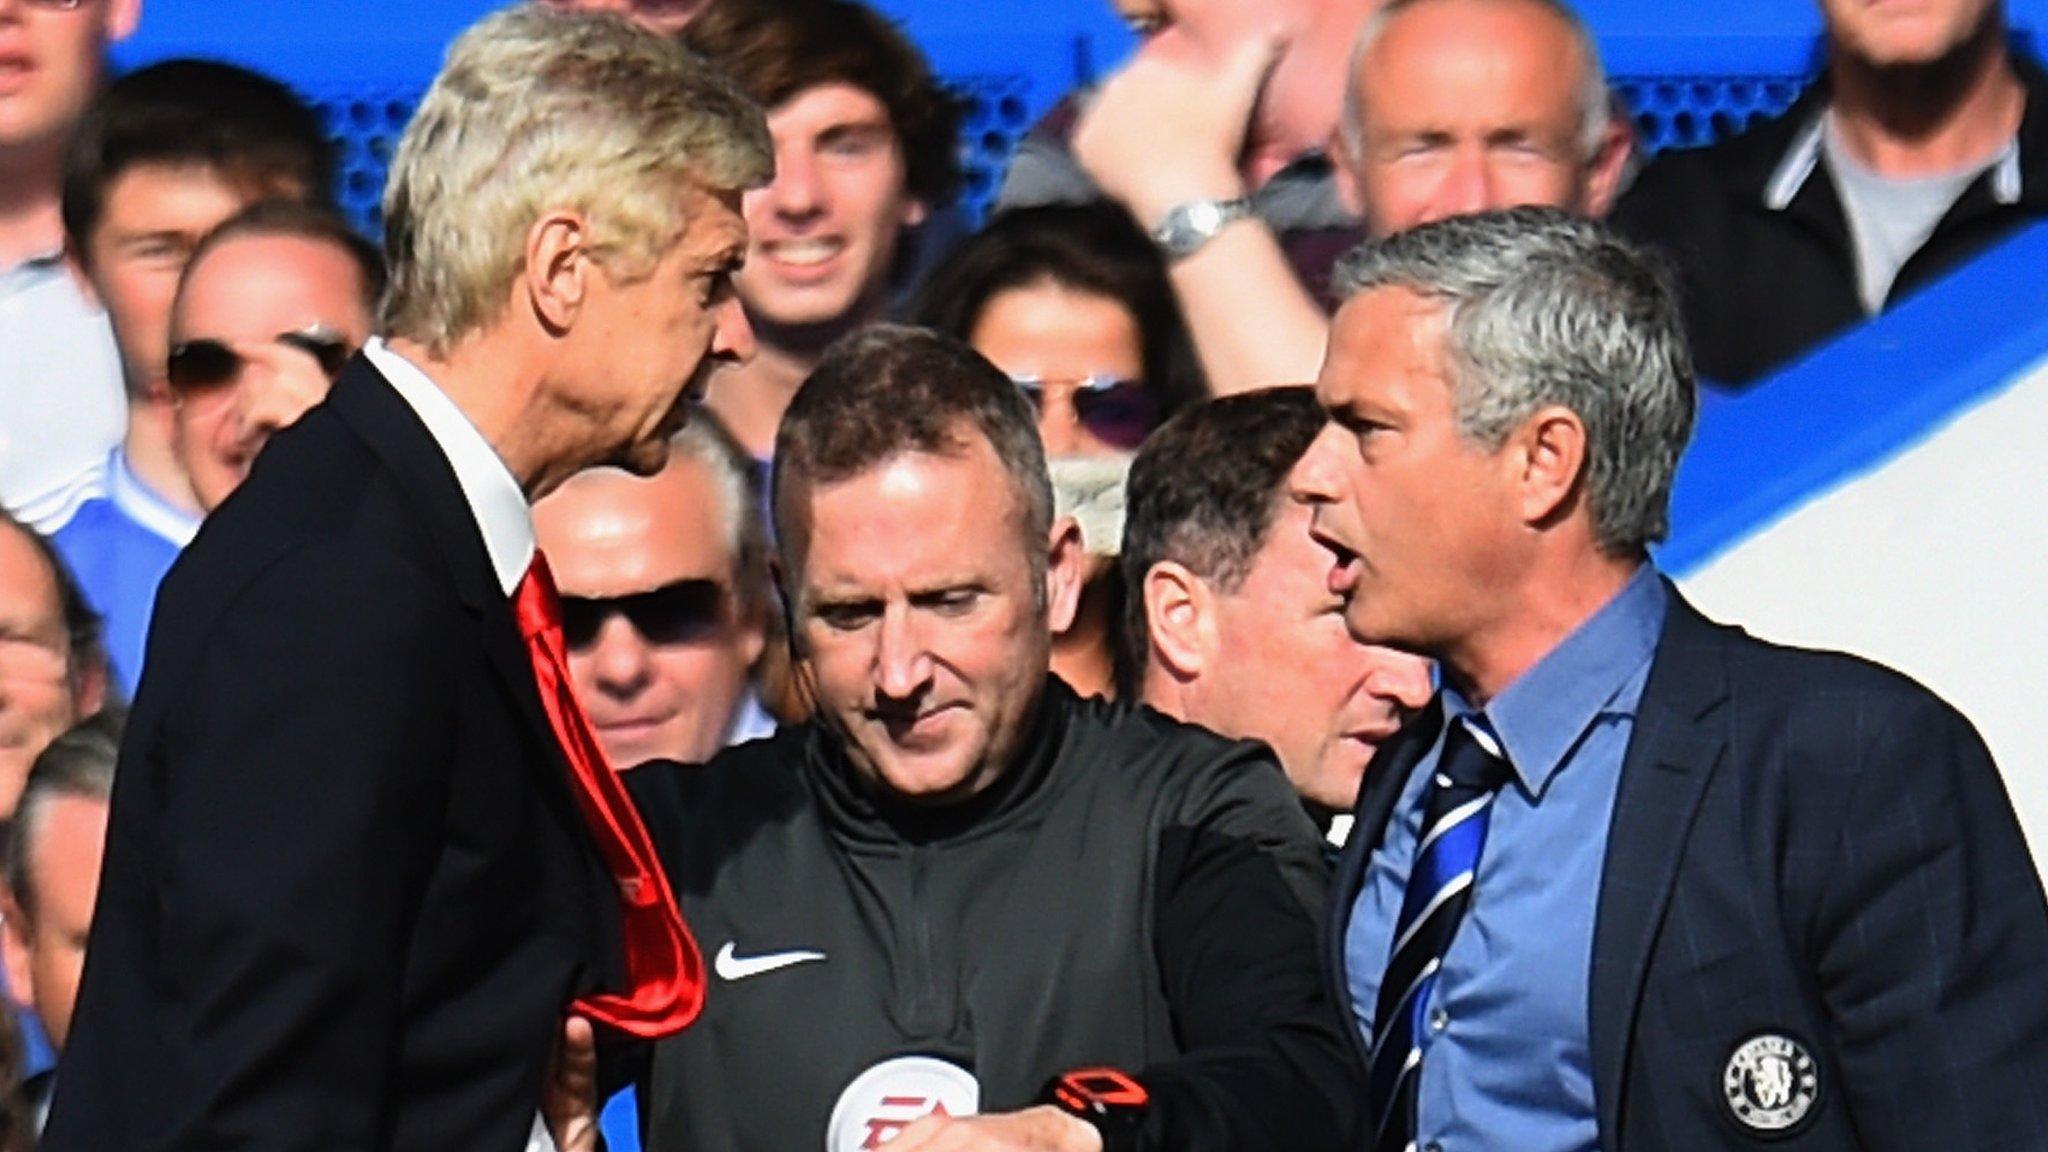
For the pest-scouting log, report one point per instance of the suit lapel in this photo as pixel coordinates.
(388, 425)
(1680, 737)
(1384, 776)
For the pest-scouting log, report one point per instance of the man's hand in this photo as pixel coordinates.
(1040, 1129)
(1170, 126)
(568, 1104)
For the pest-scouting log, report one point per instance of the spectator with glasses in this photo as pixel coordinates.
(166, 154)
(1073, 304)
(665, 604)
(271, 307)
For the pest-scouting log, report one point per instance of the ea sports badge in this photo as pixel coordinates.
(1770, 1084)
(894, 1094)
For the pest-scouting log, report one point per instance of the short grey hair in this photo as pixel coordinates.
(540, 108)
(1546, 308)
(742, 511)
(79, 764)
(1596, 104)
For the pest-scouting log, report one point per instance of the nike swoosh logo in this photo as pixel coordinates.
(732, 967)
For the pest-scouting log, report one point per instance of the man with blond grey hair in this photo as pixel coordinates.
(1447, 107)
(364, 848)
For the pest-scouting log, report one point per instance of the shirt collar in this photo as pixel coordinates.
(1804, 156)
(493, 496)
(1542, 716)
(141, 504)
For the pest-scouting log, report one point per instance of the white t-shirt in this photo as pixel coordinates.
(62, 406)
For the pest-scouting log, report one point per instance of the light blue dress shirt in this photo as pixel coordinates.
(1506, 1055)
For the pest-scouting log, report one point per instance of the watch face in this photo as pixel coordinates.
(1205, 217)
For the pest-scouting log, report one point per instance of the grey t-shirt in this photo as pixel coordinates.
(1891, 217)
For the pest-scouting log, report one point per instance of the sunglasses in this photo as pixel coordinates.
(678, 613)
(198, 365)
(1116, 411)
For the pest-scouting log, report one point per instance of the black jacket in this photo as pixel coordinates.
(1766, 263)
(1134, 892)
(347, 894)
(1804, 846)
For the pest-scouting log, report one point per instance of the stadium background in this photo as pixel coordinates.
(1882, 495)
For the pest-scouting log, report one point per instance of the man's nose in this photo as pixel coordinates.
(618, 658)
(903, 662)
(1315, 478)
(732, 337)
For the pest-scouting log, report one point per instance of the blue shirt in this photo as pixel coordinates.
(118, 546)
(1507, 1055)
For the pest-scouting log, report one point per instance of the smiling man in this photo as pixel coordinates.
(961, 880)
(865, 149)
(363, 852)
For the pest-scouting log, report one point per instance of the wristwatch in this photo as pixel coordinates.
(1190, 224)
(1106, 1098)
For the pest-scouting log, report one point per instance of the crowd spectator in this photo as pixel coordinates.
(1448, 106)
(61, 400)
(53, 670)
(1730, 890)
(666, 17)
(665, 598)
(363, 849)
(866, 149)
(166, 154)
(271, 306)
(1923, 141)
(960, 879)
(1231, 623)
(1266, 118)
(1072, 303)
(54, 850)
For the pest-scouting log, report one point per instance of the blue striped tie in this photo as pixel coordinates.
(1468, 774)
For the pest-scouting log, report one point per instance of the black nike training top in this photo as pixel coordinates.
(1134, 892)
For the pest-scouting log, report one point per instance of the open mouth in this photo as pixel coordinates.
(800, 256)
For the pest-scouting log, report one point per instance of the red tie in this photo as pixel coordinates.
(662, 962)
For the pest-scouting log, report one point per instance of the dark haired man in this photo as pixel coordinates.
(166, 153)
(1230, 622)
(60, 380)
(961, 880)
(865, 150)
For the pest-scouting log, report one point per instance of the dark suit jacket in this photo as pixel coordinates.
(1807, 845)
(346, 892)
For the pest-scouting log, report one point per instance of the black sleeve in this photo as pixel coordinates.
(302, 798)
(1266, 1066)
(1929, 942)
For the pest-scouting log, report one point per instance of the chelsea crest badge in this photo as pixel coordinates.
(1770, 1084)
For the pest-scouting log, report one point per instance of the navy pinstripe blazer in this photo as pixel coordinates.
(1805, 846)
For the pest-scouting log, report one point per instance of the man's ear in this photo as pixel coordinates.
(1179, 626)
(121, 19)
(89, 687)
(556, 279)
(915, 211)
(1344, 168)
(1610, 161)
(1549, 453)
(1066, 568)
(14, 941)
